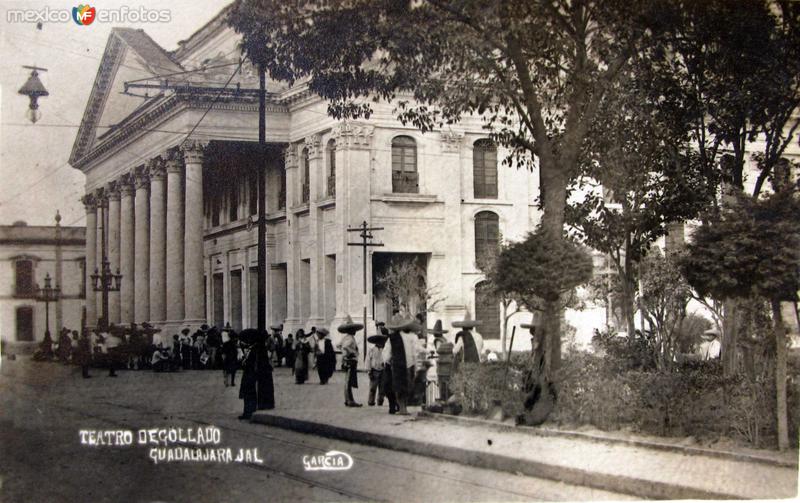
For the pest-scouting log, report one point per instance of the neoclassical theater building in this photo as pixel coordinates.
(168, 145)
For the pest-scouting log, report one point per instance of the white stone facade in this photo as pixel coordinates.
(179, 213)
(27, 255)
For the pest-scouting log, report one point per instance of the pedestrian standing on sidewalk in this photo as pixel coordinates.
(265, 384)
(468, 344)
(83, 354)
(350, 359)
(375, 359)
(403, 340)
(280, 344)
(186, 349)
(288, 351)
(111, 348)
(230, 358)
(301, 364)
(248, 387)
(326, 358)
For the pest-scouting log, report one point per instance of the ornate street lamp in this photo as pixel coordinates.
(103, 280)
(47, 295)
(34, 89)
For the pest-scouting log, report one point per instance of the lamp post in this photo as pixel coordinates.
(104, 280)
(47, 295)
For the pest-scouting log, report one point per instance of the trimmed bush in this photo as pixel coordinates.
(693, 399)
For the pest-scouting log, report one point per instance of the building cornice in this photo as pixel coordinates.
(169, 106)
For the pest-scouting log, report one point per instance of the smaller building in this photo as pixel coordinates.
(27, 255)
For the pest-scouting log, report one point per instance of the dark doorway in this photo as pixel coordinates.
(218, 291)
(25, 323)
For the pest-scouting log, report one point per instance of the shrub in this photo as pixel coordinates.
(692, 399)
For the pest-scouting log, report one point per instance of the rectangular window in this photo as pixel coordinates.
(25, 284)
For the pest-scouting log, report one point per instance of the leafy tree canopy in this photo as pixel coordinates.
(750, 250)
(541, 267)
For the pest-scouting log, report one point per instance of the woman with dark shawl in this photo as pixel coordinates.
(326, 360)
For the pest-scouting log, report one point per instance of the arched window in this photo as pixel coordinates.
(487, 309)
(331, 151)
(484, 169)
(405, 178)
(305, 192)
(487, 236)
(25, 284)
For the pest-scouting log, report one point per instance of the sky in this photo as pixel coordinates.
(35, 177)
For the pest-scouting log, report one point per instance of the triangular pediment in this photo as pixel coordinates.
(129, 55)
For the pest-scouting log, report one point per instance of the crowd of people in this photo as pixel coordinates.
(401, 364)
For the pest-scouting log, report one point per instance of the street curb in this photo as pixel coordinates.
(646, 489)
(549, 432)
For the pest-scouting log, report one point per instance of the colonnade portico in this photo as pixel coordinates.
(154, 235)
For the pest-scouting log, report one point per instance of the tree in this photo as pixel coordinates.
(737, 83)
(643, 162)
(405, 284)
(665, 295)
(487, 264)
(540, 271)
(536, 71)
(752, 250)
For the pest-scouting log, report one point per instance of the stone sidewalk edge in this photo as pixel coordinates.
(550, 432)
(642, 488)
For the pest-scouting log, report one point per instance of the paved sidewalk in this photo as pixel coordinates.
(613, 466)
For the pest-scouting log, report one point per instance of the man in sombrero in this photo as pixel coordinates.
(350, 359)
(375, 361)
(400, 367)
(468, 344)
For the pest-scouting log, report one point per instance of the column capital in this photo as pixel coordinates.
(156, 168)
(125, 184)
(313, 145)
(194, 151)
(113, 191)
(89, 203)
(290, 157)
(451, 141)
(174, 163)
(101, 197)
(141, 178)
(350, 135)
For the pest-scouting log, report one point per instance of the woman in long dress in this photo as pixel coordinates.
(301, 363)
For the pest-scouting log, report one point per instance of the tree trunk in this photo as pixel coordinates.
(780, 376)
(554, 188)
(728, 337)
(504, 330)
(628, 309)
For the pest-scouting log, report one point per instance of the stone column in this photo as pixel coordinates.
(175, 216)
(127, 250)
(91, 258)
(158, 239)
(318, 185)
(100, 200)
(293, 198)
(113, 248)
(193, 233)
(141, 262)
